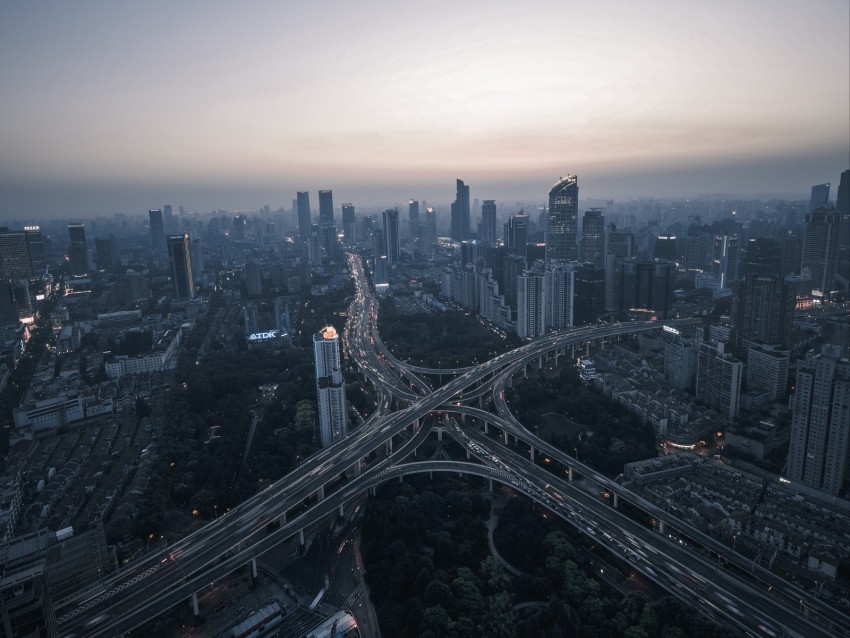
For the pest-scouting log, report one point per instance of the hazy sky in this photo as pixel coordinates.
(121, 106)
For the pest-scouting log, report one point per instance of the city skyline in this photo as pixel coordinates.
(133, 105)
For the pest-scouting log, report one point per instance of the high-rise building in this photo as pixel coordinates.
(761, 256)
(429, 232)
(665, 247)
(8, 304)
(725, 263)
(333, 411)
(488, 221)
(15, 261)
(680, 362)
(181, 266)
(516, 234)
(106, 249)
(820, 424)
(642, 286)
(558, 286)
(762, 310)
(391, 236)
(157, 229)
(562, 230)
(842, 199)
(349, 223)
(619, 245)
(196, 252)
(326, 208)
(820, 248)
(168, 222)
(593, 237)
(414, 224)
(767, 369)
(820, 196)
(304, 218)
(719, 376)
(253, 279)
(589, 294)
(35, 246)
(530, 315)
(78, 250)
(460, 212)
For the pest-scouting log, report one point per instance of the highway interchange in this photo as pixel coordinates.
(754, 601)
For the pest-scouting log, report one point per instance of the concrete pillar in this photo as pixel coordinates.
(573, 351)
(525, 371)
(401, 479)
(282, 519)
(660, 526)
(468, 454)
(439, 433)
(321, 493)
(510, 382)
(431, 476)
(254, 568)
(357, 468)
(486, 427)
(301, 536)
(195, 610)
(540, 362)
(531, 453)
(570, 474)
(390, 446)
(481, 401)
(505, 436)
(340, 511)
(490, 485)
(372, 490)
(616, 500)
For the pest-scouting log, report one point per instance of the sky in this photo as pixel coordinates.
(120, 107)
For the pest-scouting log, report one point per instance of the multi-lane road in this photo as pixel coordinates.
(127, 600)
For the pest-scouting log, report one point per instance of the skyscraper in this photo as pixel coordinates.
(429, 232)
(619, 245)
(820, 424)
(719, 377)
(589, 295)
(516, 234)
(530, 312)
(593, 237)
(563, 220)
(820, 195)
(488, 221)
(181, 266)
(349, 223)
(644, 286)
(413, 221)
(35, 246)
(15, 259)
(761, 256)
(665, 247)
(106, 249)
(558, 286)
(78, 250)
(460, 212)
(725, 263)
(326, 208)
(304, 221)
(762, 310)
(333, 411)
(842, 199)
(168, 221)
(391, 236)
(820, 248)
(157, 229)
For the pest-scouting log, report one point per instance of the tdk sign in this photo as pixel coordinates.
(262, 336)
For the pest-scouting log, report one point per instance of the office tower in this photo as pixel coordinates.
(168, 222)
(381, 271)
(304, 220)
(530, 315)
(488, 221)
(471, 252)
(326, 208)
(589, 294)
(563, 220)
(15, 261)
(333, 412)
(349, 223)
(196, 252)
(665, 247)
(181, 266)
(413, 220)
(157, 229)
(820, 196)
(330, 243)
(106, 249)
(820, 423)
(35, 246)
(8, 304)
(680, 362)
(820, 248)
(842, 199)
(516, 234)
(253, 279)
(78, 251)
(644, 287)
(238, 227)
(314, 245)
(429, 232)
(391, 236)
(558, 295)
(379, 247)
(719, 377)
(593, 237)
(767, 369)
(761, 256)
(619, 245)
(460, 212)
(725, 263)
(762, 310)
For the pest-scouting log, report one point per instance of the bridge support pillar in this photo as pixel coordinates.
(372, 490)
(486, 428)
(540, 362)
(525, 371)
(481, 401)
(401, 479)
(616, 500)
(430, 476)
(357, 468)
(505, 435)
(490, 485)
(195, 609)
(660, 526)
(340, 512)
(389, 446)
(531, 453)
(281, 520)
(439, 434)
(254, 568)
(321, 493)
(570, 474)
(510, 382)
(573, 351)
(301, 536)
(468, 455)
